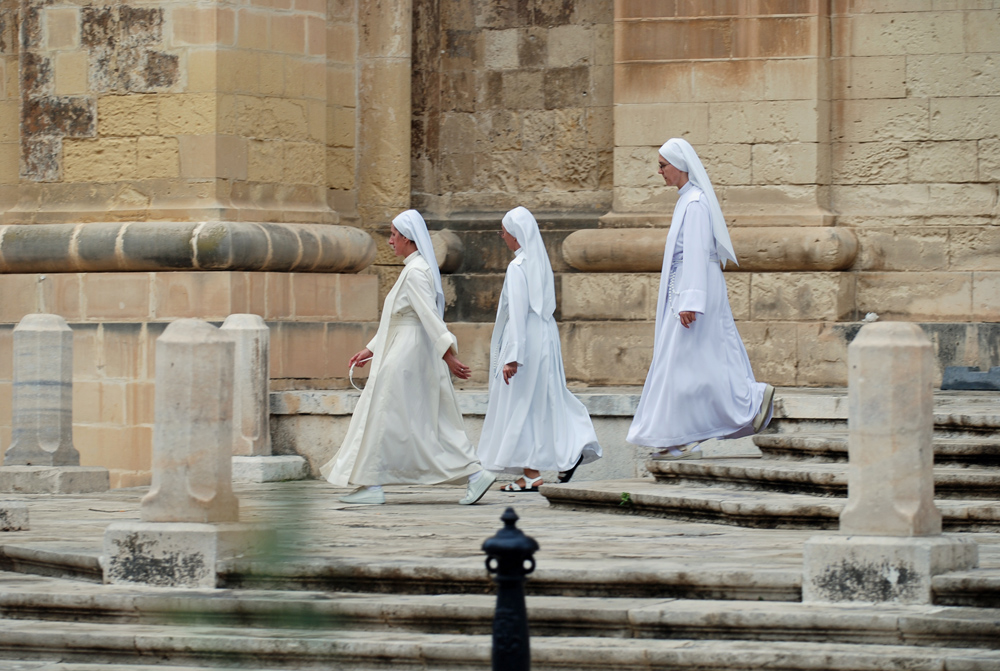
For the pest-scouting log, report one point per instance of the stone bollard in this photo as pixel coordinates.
(189, 517)
(41, 457)
(507, 553)
(252, 458)
(890, 543)
(42, 401)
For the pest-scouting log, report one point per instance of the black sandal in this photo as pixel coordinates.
(566, 476)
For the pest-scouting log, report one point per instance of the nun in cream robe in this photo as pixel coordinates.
(406, 427)
(534, 421)
(700, 384)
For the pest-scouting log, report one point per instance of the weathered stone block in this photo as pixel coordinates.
(102, 160)
(964, 118)
(869, 77)
(905, 248)
(53, 479)
(601, 296)
(13, 516)
(72, 73)
(881, 569)
(251, 411)
(881, 120)
(801, 296)
(644, 124)
(269, 468)
(653, 83)
(571, 45)
(763, 121)
(728, 80)
(930, 296)
(986, 297)
(157, 158)
(906, 33)
(943, 161)
(500, 49)
(175, 554)
(788, 164)
(523, 89)
(870, 162)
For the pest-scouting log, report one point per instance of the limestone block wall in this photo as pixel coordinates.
(341, 107)
(8, 104)
(172, 110)
(316, 320)
(512, 105)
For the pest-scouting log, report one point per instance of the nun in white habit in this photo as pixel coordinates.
(406, 427)
(700, 384)
(533, 423)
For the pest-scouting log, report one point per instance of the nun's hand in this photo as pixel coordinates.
(509, 371)
(457, 368)
(360, 359)
(687, 318)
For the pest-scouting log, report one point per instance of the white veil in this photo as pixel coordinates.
(413, 227)
(680, 154)
(520, 223)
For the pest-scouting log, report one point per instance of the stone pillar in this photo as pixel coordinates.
(192, 438)
(43, 394)
(890, 543)
(41, 458)
(189, 516)
(252, 458)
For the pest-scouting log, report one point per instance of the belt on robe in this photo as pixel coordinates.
(410, 318)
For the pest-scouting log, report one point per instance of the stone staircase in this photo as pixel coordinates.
(800, 479)
(69, 625)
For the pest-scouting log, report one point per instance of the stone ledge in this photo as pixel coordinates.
(53, 479)
(269, 468)
(173, 245)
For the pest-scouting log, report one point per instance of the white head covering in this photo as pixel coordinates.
(541, 286)
(413, 227)
(680, 154)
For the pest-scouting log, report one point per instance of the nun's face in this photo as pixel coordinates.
(671, 175)
(511, 241)
(401, 245)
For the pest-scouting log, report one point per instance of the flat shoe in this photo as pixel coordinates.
(766, 406)
(477, 489)
(529, 485)
(364, 495)
(687, 452)
(566, 476)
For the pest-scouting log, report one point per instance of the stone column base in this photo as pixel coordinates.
(13, 516)
(270, 469)
(176, 554)
(53, 479)
(881, 568)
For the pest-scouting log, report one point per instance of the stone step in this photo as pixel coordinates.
(808, 477)
(741, 507)
(466, 615)
(214, 647)
(832, 446)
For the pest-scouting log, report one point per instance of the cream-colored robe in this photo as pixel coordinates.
(407, 428)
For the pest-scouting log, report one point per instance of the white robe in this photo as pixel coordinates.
(700, 384)
(407, 428)
(533, 422)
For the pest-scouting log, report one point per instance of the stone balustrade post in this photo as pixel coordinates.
(192, 438)
(251, 403)
(42, 419)
(890, 543)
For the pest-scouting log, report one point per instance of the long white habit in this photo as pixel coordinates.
(407, 428)
(700, 384)
(533, 422)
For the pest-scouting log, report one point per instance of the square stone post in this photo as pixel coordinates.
(252, 458)
(890, 543)
(189, 515)
(41, 457)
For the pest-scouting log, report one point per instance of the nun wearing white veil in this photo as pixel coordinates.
(406, 427)
(533, 422)
(700, 384)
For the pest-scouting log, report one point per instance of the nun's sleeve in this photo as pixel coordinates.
(692, 289)
(423, 299)
(516, 286)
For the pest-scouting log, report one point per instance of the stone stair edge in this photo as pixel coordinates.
(41, 640)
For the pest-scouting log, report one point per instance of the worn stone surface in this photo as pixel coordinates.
(42, 406)
(891, 407)
(13, 516)
(271, 468)
(53, 479)
(881, 568)
(251, 407)
(193, 432)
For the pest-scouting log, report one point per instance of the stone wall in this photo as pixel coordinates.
(8, 104)
(512, 105)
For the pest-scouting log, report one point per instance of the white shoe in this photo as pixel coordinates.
(364, 495)
(478, 488)
(689, 451)
(766, 406)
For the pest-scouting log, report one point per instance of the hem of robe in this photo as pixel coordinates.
(590, 454)
(718, 434)
(408, 478)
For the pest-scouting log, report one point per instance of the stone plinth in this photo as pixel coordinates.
(890, 546)
(891, 422)
(54, 479)
(176, 554)
(13, 516)
(193, 432)
(276, 468)
(881, 568)
(251, 404)
(43, 394)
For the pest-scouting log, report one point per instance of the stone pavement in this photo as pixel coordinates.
(425, 526)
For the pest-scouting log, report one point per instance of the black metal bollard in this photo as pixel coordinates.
(506, 555)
